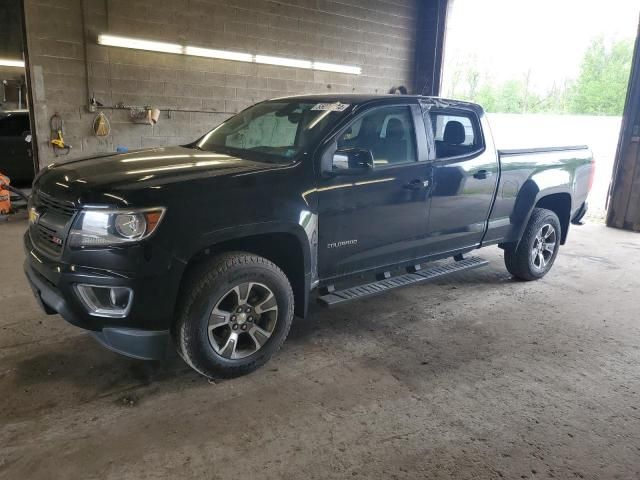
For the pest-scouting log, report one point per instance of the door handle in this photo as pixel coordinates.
(417, 184)
(482, 174)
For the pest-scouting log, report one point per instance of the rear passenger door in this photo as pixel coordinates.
(464, 176)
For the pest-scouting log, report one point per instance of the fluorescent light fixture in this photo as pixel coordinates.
(283, 62)
(223, 54)
(125, 42)
(135, 43)
(11, 63)
(334, 67)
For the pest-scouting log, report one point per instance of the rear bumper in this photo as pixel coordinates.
(580, 213)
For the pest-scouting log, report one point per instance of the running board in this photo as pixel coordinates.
(338, 297)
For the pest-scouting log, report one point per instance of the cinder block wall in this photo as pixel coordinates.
(198, 93)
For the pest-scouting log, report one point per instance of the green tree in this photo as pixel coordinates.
(601, 86)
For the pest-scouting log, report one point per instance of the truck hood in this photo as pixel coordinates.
(80, 180)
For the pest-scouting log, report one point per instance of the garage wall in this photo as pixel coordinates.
(198, 93)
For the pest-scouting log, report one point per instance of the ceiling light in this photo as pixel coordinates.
(11, 63)
(333, 67)
(223, 54)
(125, 42)
(283, 62)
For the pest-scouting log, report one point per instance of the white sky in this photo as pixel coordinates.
(509, 37)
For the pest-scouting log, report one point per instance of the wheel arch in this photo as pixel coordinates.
(556, 199)
(286, 246)
(560, 204)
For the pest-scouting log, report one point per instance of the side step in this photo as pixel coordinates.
(375, 288)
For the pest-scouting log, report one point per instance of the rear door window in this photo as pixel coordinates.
(455, 134)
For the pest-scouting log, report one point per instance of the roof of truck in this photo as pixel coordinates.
(359, 99)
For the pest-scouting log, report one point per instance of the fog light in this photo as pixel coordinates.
(103, 301)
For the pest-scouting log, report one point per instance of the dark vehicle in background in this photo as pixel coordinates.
(16, 160)
(219, 243)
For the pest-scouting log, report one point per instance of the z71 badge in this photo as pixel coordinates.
(343, 243)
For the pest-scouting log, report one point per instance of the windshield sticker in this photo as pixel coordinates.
(331, 107)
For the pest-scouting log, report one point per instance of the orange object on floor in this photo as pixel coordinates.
(5, 195)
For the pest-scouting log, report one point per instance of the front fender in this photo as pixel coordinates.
(302, 274)
(306, 240)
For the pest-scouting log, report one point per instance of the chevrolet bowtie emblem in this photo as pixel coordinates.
(34, 215)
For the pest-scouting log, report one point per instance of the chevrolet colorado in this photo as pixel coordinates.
(217, 244)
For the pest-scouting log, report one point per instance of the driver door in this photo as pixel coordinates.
(377, 216)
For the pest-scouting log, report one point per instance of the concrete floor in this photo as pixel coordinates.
(478, 376)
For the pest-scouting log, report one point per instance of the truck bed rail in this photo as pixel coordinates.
(526, 151)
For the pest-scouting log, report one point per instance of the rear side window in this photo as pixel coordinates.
(13, 125)
(387, 131)
(455, 134)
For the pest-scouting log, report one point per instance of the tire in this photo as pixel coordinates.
(207, 302)
(525, 261)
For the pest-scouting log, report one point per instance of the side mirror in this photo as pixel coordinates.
(27, 137)
(352, 161)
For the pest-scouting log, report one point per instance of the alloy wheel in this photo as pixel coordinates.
(243, 320)
(544, 246)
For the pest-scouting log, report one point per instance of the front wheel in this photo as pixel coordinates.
(236, 313)
(534, 256)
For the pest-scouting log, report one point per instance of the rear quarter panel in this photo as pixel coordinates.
(528, 176)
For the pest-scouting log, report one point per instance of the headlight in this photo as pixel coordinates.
(97, 228)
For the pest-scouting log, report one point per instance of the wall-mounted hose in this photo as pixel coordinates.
(17, 191)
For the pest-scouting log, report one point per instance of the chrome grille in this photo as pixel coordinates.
(58, 206)
(55, 216)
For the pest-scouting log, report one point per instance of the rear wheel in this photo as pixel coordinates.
(534, 255)
(236, 313)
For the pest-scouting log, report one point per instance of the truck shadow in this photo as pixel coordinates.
(77, 370)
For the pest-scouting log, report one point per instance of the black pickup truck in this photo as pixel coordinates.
(217, 244)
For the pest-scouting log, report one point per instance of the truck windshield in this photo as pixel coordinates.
(275, 131)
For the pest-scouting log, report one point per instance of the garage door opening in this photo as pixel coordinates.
(548, 73)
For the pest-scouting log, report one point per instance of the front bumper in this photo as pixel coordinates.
(143, 333)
